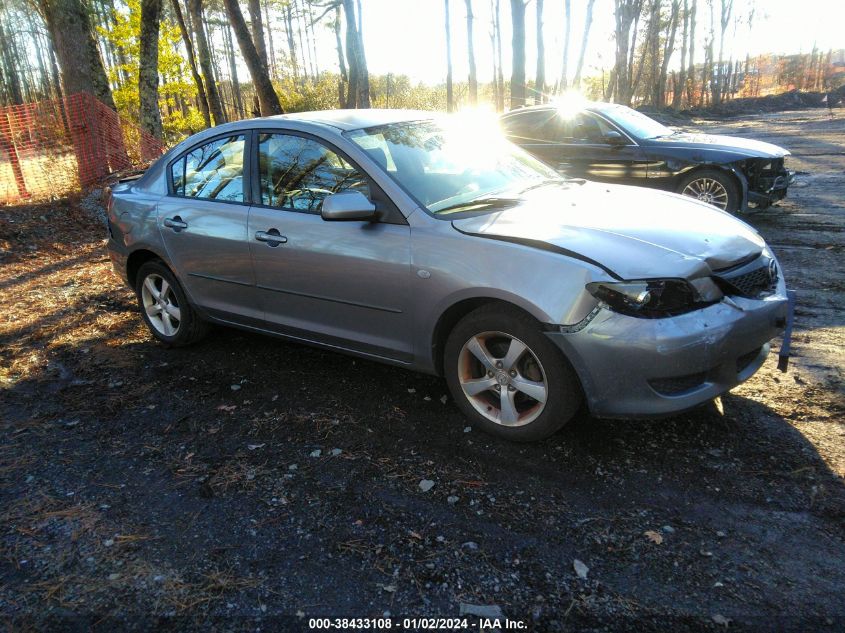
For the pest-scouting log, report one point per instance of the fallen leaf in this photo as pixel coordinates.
(721, 620)
(654, 537)
(580, 569)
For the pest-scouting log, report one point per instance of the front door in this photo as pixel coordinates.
(203, 222)
(338, 283)
(579, 148)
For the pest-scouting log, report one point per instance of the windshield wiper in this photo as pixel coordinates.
(488, 202)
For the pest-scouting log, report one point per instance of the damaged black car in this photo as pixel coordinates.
(613, 143)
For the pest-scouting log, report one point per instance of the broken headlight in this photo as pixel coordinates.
(655, 298)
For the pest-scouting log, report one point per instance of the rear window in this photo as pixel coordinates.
(214, 171)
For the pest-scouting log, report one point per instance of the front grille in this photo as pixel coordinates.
(753, 280)
(677, 384)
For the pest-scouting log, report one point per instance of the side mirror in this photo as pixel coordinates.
(612, 137)
(347, 205)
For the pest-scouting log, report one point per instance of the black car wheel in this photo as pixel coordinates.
(165, 308)
(507, 377)
(713, 187)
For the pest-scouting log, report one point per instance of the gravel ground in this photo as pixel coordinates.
(248, 483)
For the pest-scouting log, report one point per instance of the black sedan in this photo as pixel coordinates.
(613, 143)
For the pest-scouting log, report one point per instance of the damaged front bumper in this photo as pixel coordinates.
(631, 367)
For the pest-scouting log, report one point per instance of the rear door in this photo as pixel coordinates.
(203, 222)
(338, 283)
(576, 146)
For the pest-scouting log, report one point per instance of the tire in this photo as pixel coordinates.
(496, 332)
(156, 286)
(712, 186)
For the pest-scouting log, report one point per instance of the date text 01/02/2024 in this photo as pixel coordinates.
(482, 624)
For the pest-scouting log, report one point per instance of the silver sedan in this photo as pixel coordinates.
(432, 243)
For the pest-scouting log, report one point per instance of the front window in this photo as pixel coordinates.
(446, 165)
(298, 173)
(636, 123)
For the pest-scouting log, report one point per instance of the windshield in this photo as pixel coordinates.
(446, 165)
(637, 123)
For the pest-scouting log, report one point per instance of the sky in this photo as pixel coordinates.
(408, 36)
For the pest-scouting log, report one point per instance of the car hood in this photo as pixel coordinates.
(630, 232)
(745, 146)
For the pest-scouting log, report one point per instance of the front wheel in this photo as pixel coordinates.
(507, 377)
(713, 187)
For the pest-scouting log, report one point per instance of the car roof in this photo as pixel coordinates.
(346, 120)
(595, 106)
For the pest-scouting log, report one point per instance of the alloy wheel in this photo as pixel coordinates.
(502, 378)
(161, 305)
(708, 190)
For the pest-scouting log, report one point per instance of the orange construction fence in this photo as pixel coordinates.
(49, 149)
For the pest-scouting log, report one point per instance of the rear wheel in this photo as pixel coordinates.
(713, 187)
(165, 308)
(507, 377)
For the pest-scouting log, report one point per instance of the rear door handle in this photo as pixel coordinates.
(272, 237)
(175, 223)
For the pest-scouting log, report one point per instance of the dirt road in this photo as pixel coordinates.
(251, 483)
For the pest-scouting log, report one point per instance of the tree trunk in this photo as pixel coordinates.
(450, 97)
(359, 76)
(564, 72)
(540, 80)
(257, 24)
(267, 97)
(192, 63)
(690, 87)
(233, 73)
(341, 61)
(148, 68)
(291, 39)
(588, 22)
(680, 79)
(518, 47)
(214, 105)
(73, 40)
(500, 95)
(473, 77)
(12, 82)
(669, 46)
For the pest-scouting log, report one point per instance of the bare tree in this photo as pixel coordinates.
(214, 104)
(518, 54)
(358, 95)
(564, 69)
(588, 22)
(540, 80)
(659, 87)
(724, 20)
(257, 24)
(450, 97)
(679, 78)
(202, 99)
(473, 78)
(267, 97)
(690, 84)
(500, 95)
(627, 15)
(148, 67)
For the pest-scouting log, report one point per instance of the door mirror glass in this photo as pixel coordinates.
(348, 205)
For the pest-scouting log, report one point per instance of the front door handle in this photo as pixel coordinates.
(272, 237)
(175, 223)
